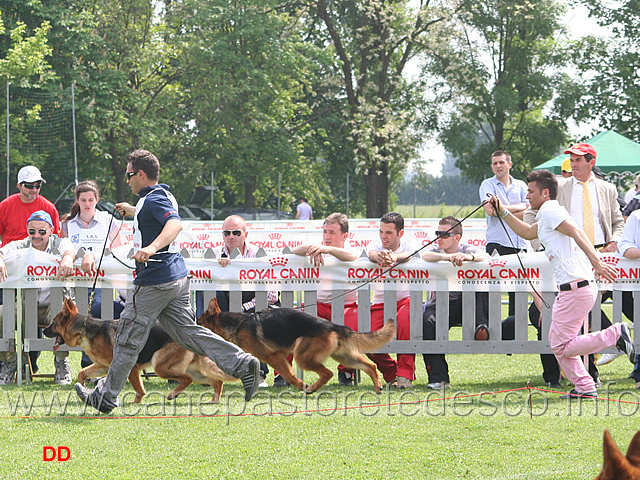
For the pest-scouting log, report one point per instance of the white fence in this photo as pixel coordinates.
(299, 282)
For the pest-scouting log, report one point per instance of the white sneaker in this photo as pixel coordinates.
(608, 358)
(438, 385)
(263, 383)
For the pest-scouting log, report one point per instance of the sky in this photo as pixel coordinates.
(578, 21)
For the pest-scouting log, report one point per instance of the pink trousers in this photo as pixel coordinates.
(570, 310)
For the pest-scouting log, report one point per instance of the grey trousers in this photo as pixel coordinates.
(169, 304)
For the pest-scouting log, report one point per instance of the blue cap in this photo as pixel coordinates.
(42, 216)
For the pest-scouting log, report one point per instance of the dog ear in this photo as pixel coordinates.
(633, 452)
(614, 465)
(214, 308)
(70, 306)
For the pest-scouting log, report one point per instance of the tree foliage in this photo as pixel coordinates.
(607, 89)
(499, 74)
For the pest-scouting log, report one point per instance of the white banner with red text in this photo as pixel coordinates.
(30, 268)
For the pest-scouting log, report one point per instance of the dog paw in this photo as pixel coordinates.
(306, 389)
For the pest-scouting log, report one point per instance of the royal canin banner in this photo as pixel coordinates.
(30, 268)
(197, 237)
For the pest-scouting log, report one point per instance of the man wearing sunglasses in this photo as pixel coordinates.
(39, 227)
(448, 248)
(16, 209)
(234, 235)
(161, 292)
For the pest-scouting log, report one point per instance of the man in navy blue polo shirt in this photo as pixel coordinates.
(161, 291)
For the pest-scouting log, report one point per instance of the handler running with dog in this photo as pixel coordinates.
(161, 292)
(572, 271)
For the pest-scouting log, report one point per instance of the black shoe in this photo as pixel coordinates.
(251, 379)
(91, 398)
(576, 394)
(481, 333)
(625, 343)
(554, 385)
(280, 382)
(345, 379)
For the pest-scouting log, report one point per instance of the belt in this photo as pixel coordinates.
(567, 286)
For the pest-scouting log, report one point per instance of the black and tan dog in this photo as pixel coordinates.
(274, 333)
(168, 359)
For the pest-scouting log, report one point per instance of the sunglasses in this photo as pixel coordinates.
(236, 233)
(130, 174)
(444, 234)
(32, 186)
(41, 231)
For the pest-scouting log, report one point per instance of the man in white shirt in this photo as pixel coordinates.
(334, 235)
(304, 210)
(387, 251)
(572, 256)
(40, 237)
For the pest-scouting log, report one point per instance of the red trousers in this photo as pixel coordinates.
(405, 365)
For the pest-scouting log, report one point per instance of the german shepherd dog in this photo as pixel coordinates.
(274, 333)
(168, 359)
(617, 466)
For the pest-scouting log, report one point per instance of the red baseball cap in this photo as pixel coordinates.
(582, 149)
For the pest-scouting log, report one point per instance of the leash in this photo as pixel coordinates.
(95, 278)
(544, 302)
(404, 260)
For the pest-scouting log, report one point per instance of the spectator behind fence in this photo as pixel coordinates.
(234, 235)
(448, 248)
(629, 247)
(161, 292)
(389, 249)
(40, 237)
(304, 210)
(87, 228)
(572, 257)
(513, 194)
(334, 234)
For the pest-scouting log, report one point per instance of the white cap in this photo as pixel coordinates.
(30, 174)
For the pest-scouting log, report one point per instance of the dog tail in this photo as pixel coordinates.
(372, 341)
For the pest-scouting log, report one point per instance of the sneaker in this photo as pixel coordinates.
(280, 382)
(251, 379)
(63, 372)
(91, 398)
(608, 358)
(554, 385)
(403, 383)
(8, 372)
(576, 394)
(263, 383)
(625, 343)
(345, 379)
(438, 385)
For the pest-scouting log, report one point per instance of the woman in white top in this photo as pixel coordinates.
(87, 228)
(572, 256)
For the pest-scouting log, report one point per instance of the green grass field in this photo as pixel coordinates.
(482, 429)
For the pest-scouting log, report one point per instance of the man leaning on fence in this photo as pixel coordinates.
(448, 248)
(334, 235)
(387, 251)
(40, 237)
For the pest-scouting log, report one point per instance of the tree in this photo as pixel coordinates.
(606, 88)
(373, 41)
(499, 73)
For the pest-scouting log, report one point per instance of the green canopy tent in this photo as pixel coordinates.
(618, 157)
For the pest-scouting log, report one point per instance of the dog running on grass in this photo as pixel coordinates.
(616, 466)
(168, 359)
(272, 334)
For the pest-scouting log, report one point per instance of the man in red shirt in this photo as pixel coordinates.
(16, 209)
